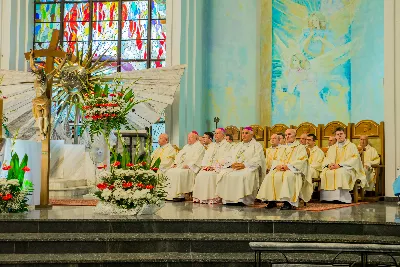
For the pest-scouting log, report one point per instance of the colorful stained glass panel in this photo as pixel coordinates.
(159, 9)
(44, 31)
(71, 46)
(105, 30)
(110, 68)
(105, 11)
(158, 29)
(135, 10)
(107, 47)
(158, 49)
(133, 65)
(134, 29)
(134, 49)
(157, 64)
(47, 13)
(39, 46)
(76, 12)
(76, 30)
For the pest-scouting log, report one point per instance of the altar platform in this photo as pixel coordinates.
(187, 234)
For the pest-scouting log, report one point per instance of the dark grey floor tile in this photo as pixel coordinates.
(220, 246)
(19, 227)
(218, 227)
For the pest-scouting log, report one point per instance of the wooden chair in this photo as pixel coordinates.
(376, 138)
(277, 128)
(259, 134)
(234, 131)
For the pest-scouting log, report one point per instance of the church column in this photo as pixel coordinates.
(392, 92)
(192, 92)
(174, 8)
(16, 27)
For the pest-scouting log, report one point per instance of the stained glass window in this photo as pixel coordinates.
(130, 33)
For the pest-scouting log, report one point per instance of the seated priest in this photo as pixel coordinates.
(238, 182)
(332, 140)
(342, 167)
(180, 178)
(166, 152)
(207, 140)
(288, 179)
(370, 158)
(229, 138)
(282, 139)
(204, 190)
(316, 157)
(272, 151)
(303, 139)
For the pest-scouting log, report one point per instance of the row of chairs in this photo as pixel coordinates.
(374, 131)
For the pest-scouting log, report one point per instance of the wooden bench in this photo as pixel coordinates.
(361, 249)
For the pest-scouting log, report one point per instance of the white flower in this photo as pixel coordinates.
(106, 194)
(13, 182)
(3, 181)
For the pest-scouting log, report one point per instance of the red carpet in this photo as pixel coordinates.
(74, 202)
(317, 206)
(309, 207)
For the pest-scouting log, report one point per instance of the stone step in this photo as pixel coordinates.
(149, 224)
(69, 192)
(33, 243)
(55, 184)
(173, 259)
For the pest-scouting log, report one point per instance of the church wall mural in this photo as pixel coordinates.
(327, 61)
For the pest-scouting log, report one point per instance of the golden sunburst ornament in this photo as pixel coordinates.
(75, 79)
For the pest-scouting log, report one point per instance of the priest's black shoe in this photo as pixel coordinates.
(239, 204)
(287, 206)
(178, 199)
(271, 205)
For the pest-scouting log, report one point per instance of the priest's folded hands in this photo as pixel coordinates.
(238, 166)
(282, 168)
(334, 166)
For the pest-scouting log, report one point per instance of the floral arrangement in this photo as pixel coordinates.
(106, 110)
(14, 189)
(131, 188)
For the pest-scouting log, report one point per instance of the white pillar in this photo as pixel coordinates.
(173, 58)
(391, 92)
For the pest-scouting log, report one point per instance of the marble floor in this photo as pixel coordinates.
(380, 212)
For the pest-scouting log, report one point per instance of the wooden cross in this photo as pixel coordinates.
(50, 54)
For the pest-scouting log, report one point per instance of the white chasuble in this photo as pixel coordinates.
(336, 184)
(371, 157)
(315, 162)
(271, 154)
(204, 190)
(167, 155)
(180, 181)
(242, 185)
(291, 184)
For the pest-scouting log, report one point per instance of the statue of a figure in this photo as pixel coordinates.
(41, 103)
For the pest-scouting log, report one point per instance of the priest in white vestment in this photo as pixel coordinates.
(238, 182)
(207, 140)
(370, 157)
(204, 190)
(342, 167)
(315, 158)
(288, 178)
(282, 138)
(272, 151)
(331, 140)
(166, 152)
(180, 178)
(303, 139)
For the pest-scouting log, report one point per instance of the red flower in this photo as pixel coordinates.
(140, 185)
(6, 168)
(102, 186)
(26, 169)
(127, 184)
(103, 95)
(7, 197)
(101, 167)
(149, 186)
(113, 95)
(113, 115)
(120, 94)
(4, 97)
(129, 165)
(154, 169)
(144, 163)
(116, 164)
(111, 187)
